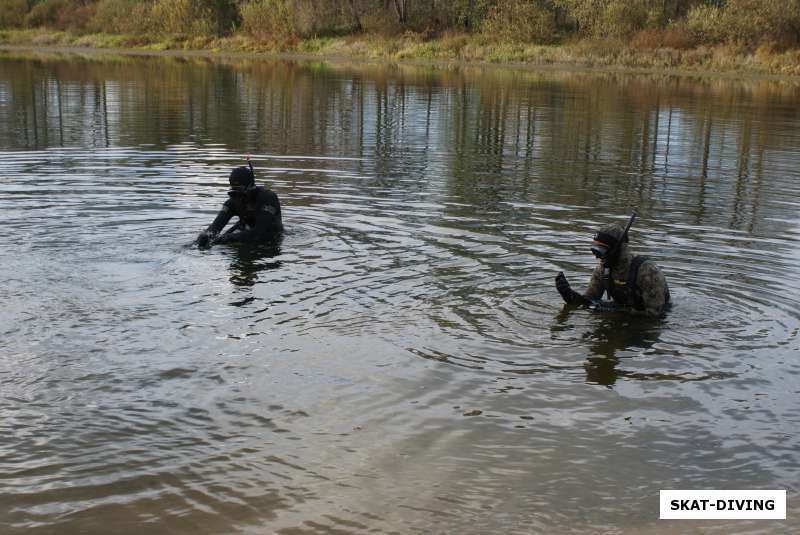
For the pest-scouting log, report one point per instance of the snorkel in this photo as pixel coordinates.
(608, 253)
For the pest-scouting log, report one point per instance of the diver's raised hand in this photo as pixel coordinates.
(570, 296)
(562, 285)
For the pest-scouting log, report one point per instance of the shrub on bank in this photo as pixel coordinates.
(76, 17)
(320, 18)
(620, 18)
(184, 17)
(752, 21)
(269, 21)
(381, 23)
(191, 18)
(12, 13)
(520, 20)
(613, 18)
(706, 23)
(60, 14)
(676, 37)
(120, 16)
(747, 22)
(769, 26)
(46, 13)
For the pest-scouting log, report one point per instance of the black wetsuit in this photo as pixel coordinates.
(259, 213)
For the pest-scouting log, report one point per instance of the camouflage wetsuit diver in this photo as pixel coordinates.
(257, 208)
(635, 282)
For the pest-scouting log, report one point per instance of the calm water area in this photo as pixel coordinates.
(400, 361)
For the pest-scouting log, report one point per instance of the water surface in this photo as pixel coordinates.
(400, 361)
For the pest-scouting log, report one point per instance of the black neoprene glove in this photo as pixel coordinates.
(204, 240)
(570, 296)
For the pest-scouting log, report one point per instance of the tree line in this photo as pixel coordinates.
(679, 24)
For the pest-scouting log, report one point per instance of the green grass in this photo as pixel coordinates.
(315, 45)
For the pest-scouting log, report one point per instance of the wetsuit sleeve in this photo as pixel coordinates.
(594, 291)
(653, 288)
(205, 238)
(221, 220)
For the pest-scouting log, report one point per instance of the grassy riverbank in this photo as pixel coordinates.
(450, 47)
(748, 37)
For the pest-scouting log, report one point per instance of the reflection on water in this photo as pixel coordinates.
(400, 359)
(249, 261)
(610, 337)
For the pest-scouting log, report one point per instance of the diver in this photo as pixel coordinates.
(257, 208)
(634, 283)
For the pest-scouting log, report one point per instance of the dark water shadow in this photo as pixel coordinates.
(616, 333)
(613, 333)
(250, 261)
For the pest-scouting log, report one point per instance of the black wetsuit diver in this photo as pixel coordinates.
(634, 283)
(257, 208)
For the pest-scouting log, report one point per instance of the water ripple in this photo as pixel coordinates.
(399, 361)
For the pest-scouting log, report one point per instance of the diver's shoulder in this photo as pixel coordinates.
(265, 192)
(650, 270)
(650, 264)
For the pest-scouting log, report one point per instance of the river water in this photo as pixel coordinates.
(400, 362)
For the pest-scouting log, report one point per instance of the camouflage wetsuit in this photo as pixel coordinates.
(636, 283)
(259, 213)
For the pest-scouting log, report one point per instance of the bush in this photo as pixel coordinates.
(12, 13)
(614, 18)
(269, 21)
(381, 23)
(465, 15)
(520, 20)
(747, 22)
(184, 17)
(622, 18)
(46, 13)
(76, 18)
(755, 21)
(115, 16)
(707, 24)
(675, 37)
(120, 16)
